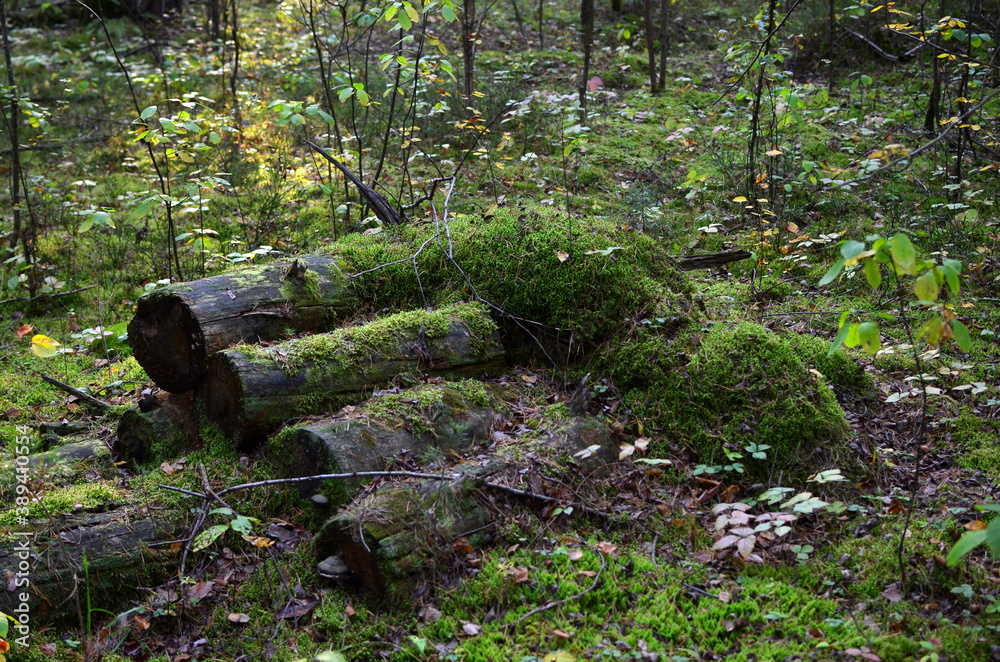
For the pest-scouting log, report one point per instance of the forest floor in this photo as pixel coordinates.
(863, 577)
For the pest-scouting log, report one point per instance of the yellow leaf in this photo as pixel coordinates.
(739, 198)
(44, 346)
(773, 152)
(562, 255)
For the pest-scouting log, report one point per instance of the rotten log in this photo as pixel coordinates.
(249, 391)
(55, 464)
(388, 538)
(168, 428)
(175, 329)
(389, 427)
(121, 555)
(712, 260)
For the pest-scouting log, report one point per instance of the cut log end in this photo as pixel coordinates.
(221, 394)
(168, 343)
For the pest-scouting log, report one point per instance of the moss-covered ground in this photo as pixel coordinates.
(717, 384)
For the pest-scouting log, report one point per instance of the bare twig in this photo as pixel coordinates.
(88, 400)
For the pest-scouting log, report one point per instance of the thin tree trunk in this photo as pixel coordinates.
(664, 41)
(830, 17)
(541, 20)
(587, 23)
(15, 155)
(647, 11)
(755, 115)
(469, 45)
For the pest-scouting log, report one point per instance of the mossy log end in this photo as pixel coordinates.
(169, 428)
(387, 428)
(177, 328)
(390, 537)
(119, 560)
(249, 391)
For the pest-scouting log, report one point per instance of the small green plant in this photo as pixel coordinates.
(899, 255)
(970, 540)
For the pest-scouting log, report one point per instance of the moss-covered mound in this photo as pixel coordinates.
(733, 387)
(581, 276)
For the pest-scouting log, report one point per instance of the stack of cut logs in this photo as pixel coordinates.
(216, 347)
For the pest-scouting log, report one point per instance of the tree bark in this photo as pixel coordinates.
(389, 428)
(250, 392)
(469, 35)
(587, 23)
(389, 537)
(167, 428)
(118, 560)
(175, 329)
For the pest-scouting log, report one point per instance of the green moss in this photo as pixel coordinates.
(345, 347)
(64, 500)
(744, 384)
(839, 368)
(304, 290)
(977, 437)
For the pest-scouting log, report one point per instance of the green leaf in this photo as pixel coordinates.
(926, 287)
(834, 271)
(363, 98)
(214, 138)
(903, 254)
(86, 225)
(951, 276)
(242, 525)
(968, 542)
(345, 94)
(147, 112)
(208, 536)
(993, 536)
(327, 117)
(872, 273)
(962, 337)
(404, 22)
(839, 340)
(853, 339)
(168, 125)
(869, 337)
(449, 13)
(852, 249)
(932, 330)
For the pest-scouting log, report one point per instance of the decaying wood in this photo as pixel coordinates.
(378, 202)
(89, 401)
(251, 392)
(177, 328)
(401, 529)
(712, 260)
(170, 424)
(54, 464)
(119, 559)
(377, 434)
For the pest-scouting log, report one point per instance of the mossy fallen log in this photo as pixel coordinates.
(47, 567)
(177, 328)
(448, 417)
(389, 537)
(167, 429)
(249, 391)
(54, 464)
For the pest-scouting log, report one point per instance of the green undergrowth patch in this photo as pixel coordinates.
(977, 437)
(720, 391)
(63, 500)
(637, 605)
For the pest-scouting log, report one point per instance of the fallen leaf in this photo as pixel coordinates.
(724, 596)
(24, 330)
(471, 629)
(429, 614)
(594, 83)
(349, 611)
(892, 594)
(607, 548)
(562, 255)
(519, 575)
(562, 634)
(238, 618)
(975, 525)
(44, 346)
(575, 554)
